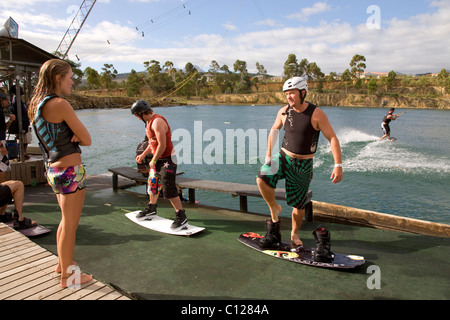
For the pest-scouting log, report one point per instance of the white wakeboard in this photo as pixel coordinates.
(161, 224)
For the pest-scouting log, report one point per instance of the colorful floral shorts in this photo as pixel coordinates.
(66, 180)
(163, 178)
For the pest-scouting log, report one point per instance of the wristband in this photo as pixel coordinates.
(338, 165)
(154, 161)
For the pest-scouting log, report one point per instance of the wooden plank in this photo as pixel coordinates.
(50, 289)
(32, 279)
(90, 288)
(17, 254)
(114, 295)
(4, 230)
(235, 189)
(6, 245)
(25, 261)
(36, 264)
(22, 272)
(96, 295)
(35, 292)
(61, 294)
(34, 282)
(27, 271)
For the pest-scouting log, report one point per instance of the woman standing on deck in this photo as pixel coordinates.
(60, 134)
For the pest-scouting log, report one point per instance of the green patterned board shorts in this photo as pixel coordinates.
(297, 173)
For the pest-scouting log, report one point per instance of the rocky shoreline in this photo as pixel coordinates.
(339, 99)
(79, 101)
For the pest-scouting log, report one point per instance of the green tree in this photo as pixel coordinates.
(227, 79)
(109, 73)
(134, 83)
(313, 71)
(303, 67)
(291, 67)
(443, 80)
(372, 86)
(93, 80)
(188, 80)
(332, 76)
(243, 84)
(391, 79)
(153, 67)
(169, 69)
(261, 71)
(346, 78)
(357, 66)
(158, 81)
(214, 69)
(358, 84)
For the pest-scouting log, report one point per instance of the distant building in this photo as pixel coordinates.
(376, 75)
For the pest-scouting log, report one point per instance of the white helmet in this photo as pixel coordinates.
(295, 83)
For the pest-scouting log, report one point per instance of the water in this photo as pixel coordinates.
(407, 177)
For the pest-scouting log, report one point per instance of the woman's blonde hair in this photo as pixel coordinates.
(47, 83)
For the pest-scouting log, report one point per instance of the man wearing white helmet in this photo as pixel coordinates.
(302, 122)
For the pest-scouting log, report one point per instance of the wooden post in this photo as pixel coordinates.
(243, 203)
(191, 195)
(115, 181)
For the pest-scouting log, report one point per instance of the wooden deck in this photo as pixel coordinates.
(27, 273)
(235, 189)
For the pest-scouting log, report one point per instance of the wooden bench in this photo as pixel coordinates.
(235, 189)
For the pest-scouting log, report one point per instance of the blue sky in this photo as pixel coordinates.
(406, 36)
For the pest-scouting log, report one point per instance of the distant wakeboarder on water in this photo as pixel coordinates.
(385, 123)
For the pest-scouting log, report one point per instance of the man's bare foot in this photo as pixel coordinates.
(58, 267)
(295, 241)
(84, 278)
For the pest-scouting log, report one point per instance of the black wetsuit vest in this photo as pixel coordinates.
(300, 137)
(54, 138)
(385, 119)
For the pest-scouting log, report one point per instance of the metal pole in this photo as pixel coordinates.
(19, 118)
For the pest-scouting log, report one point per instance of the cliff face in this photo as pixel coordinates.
(337, 99)
(397, 100)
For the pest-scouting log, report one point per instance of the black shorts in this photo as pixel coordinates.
(5, 195)
(166, 171)
(385, 128)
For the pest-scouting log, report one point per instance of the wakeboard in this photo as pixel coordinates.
(161, 224)
(33, 231)
(303, 255)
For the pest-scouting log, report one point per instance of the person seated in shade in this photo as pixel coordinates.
(9, 190)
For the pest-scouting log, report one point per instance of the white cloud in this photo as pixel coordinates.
(304, 13)
(267, 22)
(230, 26)
(410, 45)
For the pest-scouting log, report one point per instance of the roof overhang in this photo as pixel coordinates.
(19, 55)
